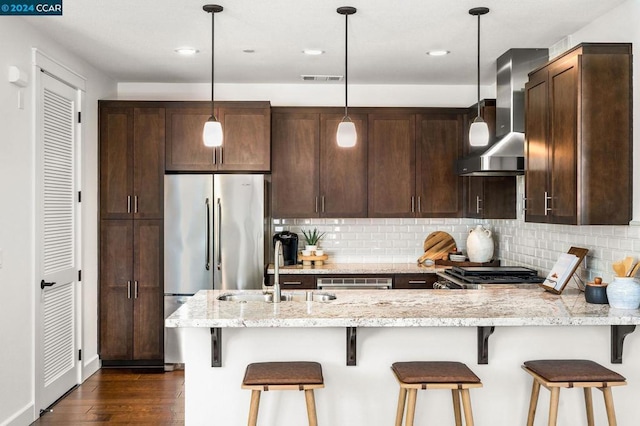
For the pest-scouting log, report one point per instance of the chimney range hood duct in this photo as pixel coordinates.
(506, 156)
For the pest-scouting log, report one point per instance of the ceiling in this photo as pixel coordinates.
(134, 41)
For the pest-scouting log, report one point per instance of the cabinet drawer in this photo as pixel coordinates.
(295, 281)
(414, 281)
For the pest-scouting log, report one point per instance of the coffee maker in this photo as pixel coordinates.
(289, 242)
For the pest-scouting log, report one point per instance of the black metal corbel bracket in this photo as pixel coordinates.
(618, 333)
(216, 347)
(351, 345)
(483, 343)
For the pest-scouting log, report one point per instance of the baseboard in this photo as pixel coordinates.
(90, 367)
(23, 417)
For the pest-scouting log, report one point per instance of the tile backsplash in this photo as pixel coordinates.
(517, 242)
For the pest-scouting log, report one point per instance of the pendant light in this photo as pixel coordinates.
(212, 132)
(346, 135)
(479, 131)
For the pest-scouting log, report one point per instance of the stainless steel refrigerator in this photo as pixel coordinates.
(214, 234)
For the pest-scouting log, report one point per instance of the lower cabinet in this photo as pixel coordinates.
(295, 281)
(414, 281)
(131, 292)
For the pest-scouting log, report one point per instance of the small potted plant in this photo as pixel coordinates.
(312, 238)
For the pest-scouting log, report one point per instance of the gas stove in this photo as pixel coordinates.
(471, 277)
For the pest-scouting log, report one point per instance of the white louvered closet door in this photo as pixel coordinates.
(57, 196)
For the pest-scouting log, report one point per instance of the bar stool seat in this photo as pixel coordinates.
(416, 375)
(569, 373)
(295, 375)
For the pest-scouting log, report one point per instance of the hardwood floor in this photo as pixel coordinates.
(122, 396)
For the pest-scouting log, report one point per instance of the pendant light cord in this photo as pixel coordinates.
(478, 66)
(213, 15)
(346, 69)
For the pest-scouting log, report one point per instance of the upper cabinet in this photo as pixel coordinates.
(488, 197)
(246, 147)
(312, 176)
(578, 142)
(131, 160)
(412, 155)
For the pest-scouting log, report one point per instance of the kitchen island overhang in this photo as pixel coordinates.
(493, 306)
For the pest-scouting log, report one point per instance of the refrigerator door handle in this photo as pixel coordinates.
(218, 236)
(207, 263)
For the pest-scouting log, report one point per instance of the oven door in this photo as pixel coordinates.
(354, 283)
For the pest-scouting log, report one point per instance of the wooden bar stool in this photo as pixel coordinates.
(570, 373)
(299, 375)
(416, 375)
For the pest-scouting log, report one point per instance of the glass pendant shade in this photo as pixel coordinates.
(346, 136)
(479, 133)
(212, 133)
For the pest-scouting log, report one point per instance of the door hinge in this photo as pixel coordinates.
(79, 117)
(79, 354)
(80, 275)
(79, 196)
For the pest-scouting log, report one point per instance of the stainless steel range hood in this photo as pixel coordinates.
(506, 156)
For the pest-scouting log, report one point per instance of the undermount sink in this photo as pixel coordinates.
(309, 296)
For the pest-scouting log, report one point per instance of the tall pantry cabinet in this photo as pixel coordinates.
(578, 142)
(131, 233)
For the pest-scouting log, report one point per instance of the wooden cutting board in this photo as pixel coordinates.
(437, 245)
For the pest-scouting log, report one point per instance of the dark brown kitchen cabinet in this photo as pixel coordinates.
(131, 160)
(412, 156)
(312, 176)
(295, 281)
(578, 137)
(131, 291)
(246, 145)
(414, 281)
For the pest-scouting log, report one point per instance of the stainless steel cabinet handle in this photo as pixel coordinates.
(135, 289)
(218, 236)
(413, 204)
(292, 282)
(221, 157)
(128, 289)
(478, 201)
(207, 260)
(128, 203)
(417, 282)
(316, 204)
(547, 209)
(323, 204)
(419, 204)
(524, 204)
(135, 204)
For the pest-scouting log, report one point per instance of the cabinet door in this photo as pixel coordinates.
(392, 163)
(148, 170)
(438, 146)
(536, 147)
(343, 171)
(116, 286)
(116, 163)
(414, 281)
(499, 197)
(475, 197)
(295, 183)
(247, 139)
(148, 288)
(185, 150)
(563, 91)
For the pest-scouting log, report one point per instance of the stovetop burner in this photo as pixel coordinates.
(494, 274)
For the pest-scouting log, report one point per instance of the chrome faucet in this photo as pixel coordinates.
(276, 271)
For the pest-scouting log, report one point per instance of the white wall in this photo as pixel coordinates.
(17, 280)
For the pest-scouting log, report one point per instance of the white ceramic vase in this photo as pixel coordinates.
(479, 245)
(624, 293)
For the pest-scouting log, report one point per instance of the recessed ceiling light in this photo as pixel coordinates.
(313, 52)
(186, 51)
(438, 52)
(249, 51)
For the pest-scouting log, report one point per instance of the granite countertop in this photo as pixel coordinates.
(405, 308)
(359, 268)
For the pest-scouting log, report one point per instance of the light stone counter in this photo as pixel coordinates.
(405, 308)
(359, 268)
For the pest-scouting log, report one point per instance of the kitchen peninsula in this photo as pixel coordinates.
(399, 325)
